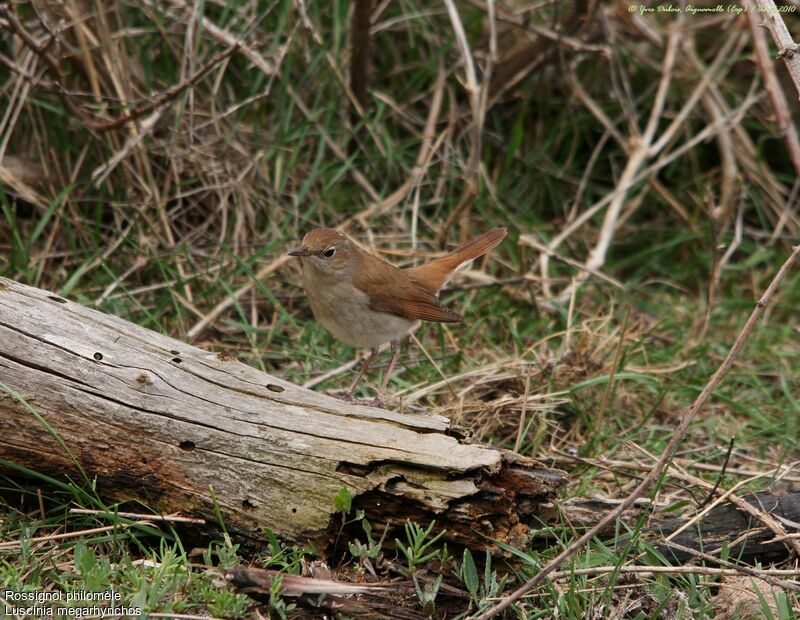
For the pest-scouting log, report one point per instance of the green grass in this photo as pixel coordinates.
(209, 200)
(137, 568)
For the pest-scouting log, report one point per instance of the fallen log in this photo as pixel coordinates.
(152, 419)
(746, 537)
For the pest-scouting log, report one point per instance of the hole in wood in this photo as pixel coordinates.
(98, 356)
(274, 388)
(187, 446)
(177, 360)
(57, 299)
(247, 504)
(354, 469)
(174, 352)
(294, 510)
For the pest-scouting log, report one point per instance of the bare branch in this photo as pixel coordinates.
(787, 48)
(663, 460)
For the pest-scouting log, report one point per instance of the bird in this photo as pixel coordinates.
(365, 301)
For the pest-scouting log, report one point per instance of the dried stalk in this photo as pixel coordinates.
(163, 98)
(787, 48)
(658, 468)
(476, 97)
(777, 97)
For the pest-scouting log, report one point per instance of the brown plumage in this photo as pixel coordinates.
(398, 291)
(434, 274)
(366, 301)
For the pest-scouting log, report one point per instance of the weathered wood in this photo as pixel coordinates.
(153, 419)
(747, 538)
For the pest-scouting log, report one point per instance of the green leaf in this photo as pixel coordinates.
(84, 559)
(343, 500)
(470, 574)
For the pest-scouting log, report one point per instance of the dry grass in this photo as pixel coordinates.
(158, 158)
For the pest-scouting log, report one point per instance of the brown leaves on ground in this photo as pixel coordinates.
(739, 598)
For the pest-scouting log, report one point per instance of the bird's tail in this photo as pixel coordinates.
(435, 274)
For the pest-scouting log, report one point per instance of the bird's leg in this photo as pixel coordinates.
(395, 353)
(372, 354)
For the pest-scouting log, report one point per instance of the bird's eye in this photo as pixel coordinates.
(329, 252)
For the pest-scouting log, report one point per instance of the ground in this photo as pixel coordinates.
(640, 152)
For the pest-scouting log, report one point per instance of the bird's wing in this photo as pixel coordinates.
(392, 290)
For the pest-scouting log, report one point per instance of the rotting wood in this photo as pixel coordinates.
(747, 539)
(375, 600)
(157, 420)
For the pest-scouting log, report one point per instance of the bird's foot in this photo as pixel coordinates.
(349, 398)
(345, 396)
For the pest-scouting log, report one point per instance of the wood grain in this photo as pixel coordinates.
(156, 420)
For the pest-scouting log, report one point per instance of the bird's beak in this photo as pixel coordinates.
(301, 251)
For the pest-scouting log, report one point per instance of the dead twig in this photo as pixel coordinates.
(101, 173)
(721, 474)
(787, 48)
(230, 39)
(644, 147)
(52, 63)
(658, 468)
(744, 570)
(769, 520)
(601, 410)
(732, 118)
(545, 250)
(170, 94)
(780, 106)
(674, 570)
(477, 101)
(14, 544)
(719, 265)
(523, 412)
(137, 515)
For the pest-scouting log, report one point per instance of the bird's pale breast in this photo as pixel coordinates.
(344, 311)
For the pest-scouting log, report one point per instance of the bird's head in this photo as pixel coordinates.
(325, 250)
